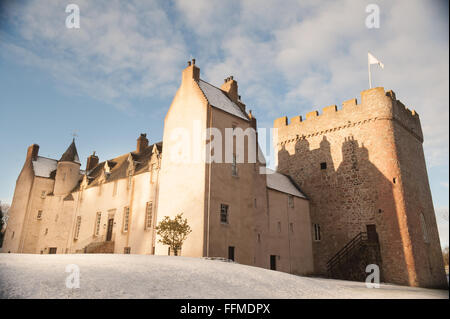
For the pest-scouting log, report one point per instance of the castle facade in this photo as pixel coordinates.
(351, 189)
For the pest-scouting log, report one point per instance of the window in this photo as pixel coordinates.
(52, 250)
(317, 234)
(127, 250)
(279, 227)
(39, 214)
(291, 227)
(12, 235)
(153, 173)
(424, 228)
(234, 166)
(43, 194)
(259, 238)
(98, 219)
(115, 188)
(291, 201)
(77, 228)
(394, 180)
(148, 215)
(130, 177)
(224, 213)
(323, 165)
(46, 231)
(126, 217)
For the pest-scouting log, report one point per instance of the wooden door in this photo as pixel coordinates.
(110, 229)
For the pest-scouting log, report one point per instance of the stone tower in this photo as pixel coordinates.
(363, 169)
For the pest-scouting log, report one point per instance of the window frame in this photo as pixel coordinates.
(226, 214)
(126, 219)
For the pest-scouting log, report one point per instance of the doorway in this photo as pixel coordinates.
(372, 235)
(231, 253)
(273, 262)
(110, 229)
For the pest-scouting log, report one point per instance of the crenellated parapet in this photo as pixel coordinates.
(376, 104)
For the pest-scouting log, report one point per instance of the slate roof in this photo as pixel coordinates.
(282, 183)
(119, 166)
(44, 166)
(217, 98)
(71, 154)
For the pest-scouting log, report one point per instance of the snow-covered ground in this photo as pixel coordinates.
(143, 276)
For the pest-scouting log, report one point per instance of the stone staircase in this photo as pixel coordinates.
(350, 262)
(102, 247)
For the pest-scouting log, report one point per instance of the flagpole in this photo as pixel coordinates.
(370, 78)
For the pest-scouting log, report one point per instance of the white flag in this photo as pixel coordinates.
(374, 60)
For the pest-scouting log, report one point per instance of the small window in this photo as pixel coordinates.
(148, 215)
(291, 201)
(77, 228)
(153, 173)
(12, 235)
(423, 224)
(39, 214)
(52, 250)
(43, 194)
(127, 250)
(97, 224)
(279, 227)
(291, 227)
(234, 171)
(126, 219)
(46, 231)
(259, 238)
(317, 233)
(323, 165)
(394, 180)
(115, 188)
(224, 213)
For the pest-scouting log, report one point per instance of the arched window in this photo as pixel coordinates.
(424, 228)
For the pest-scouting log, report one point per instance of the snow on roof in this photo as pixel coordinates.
(217, 98)
(282, 183)
(43, 166)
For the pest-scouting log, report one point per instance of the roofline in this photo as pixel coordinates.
(282, 192)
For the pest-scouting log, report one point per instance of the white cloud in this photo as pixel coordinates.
(289, 58)
(121, 51)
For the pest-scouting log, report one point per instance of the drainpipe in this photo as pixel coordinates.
(209, 184)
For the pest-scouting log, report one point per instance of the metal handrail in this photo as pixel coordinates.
(354, 242)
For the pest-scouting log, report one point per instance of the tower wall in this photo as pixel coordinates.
(375, 175)
(67, 177)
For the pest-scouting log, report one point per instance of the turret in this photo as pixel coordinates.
(67, 171)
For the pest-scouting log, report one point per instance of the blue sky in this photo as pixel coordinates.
(115, 76)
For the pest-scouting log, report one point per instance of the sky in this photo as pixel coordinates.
(115, 76)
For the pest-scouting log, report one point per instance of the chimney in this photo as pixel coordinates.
(231, 87)
(142, 143)
(92, 161)
(191, 72)
(32, 152)
(252, 119)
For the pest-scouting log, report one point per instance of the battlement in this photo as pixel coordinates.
(375, 104)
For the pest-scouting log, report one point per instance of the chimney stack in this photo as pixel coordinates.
(231, 88)
(92, 161)
(32, 152)
(142, 143)
(191, 72)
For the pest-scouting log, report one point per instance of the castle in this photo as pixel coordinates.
(351, 189)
